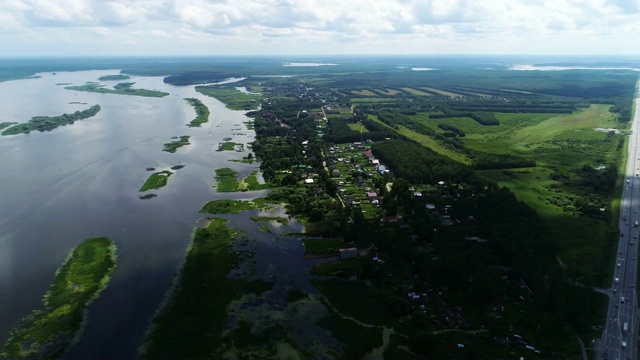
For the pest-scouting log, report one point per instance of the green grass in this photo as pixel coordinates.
(175, 144)
(234, 206)
(323, 245)
(156, 180)
(48, 333)
(202, 112)
(226, 180)
(560, 144)
(191, 325)
(122, 90)
(234, 99)
(228, 146)
(47, 123)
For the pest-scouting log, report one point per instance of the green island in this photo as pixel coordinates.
(230, 146)
(156, 180)
(48, 333)
(175, 144)
(202, 112)
(120, 89)
(233, 98)
(235, 206)
(48, 123)
(7, 124)
(192, 322)
(227, 181)
(114, 77)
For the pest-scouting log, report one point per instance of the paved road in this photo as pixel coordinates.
(620, 341)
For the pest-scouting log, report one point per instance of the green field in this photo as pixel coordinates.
(175, 144)
(48, 123)
(234, 99)
(567, 150)
(156, 180)
(48, 333)
(120, 89)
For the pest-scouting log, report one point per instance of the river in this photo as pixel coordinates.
(60, 187)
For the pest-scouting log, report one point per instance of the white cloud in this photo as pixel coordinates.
(324, 26)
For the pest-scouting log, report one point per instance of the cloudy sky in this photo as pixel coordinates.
(273, 27)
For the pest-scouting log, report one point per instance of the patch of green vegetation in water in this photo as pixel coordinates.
(191, 325)
(48, 333)
(7, 124)
(120, 89)
(227, 181)
(235, 206)
(175, 144)
(114, 77)
(47, 123)
(202, 112)
(156, 180)
(281, 220)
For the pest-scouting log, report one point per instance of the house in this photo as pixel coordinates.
(372, 195)
(346, 253)
(308, 181)
(382, 169)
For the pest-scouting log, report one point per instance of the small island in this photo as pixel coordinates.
(175, 144)
(120, 89)
(114, 77)
(156, 180)
(202, 112)
(47, 123)
(48, 333)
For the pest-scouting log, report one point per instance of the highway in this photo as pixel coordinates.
(618, 342)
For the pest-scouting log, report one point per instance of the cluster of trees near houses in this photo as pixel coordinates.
(518, 239)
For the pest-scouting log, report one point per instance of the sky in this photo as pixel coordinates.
(318, 27)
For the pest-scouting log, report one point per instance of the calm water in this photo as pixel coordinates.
(60, 187)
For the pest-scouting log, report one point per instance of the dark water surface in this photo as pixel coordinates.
(58, 188)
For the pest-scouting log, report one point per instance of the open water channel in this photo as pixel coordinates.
(60, 187)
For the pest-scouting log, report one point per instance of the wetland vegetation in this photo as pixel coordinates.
(176, 144)
(48, 333)
(156, 180)
(119, 89)
(48, 123)
(235, 206)
(192, 323)
(202, 112)
(114, 77)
